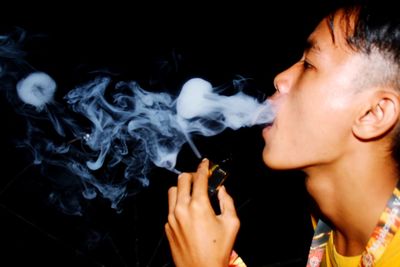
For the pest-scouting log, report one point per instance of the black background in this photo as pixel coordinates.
(160, 46)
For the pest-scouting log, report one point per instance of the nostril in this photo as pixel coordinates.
(276, 86)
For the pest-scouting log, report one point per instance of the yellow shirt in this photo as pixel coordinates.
(390, 258)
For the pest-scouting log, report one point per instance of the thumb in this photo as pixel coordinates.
(226, 203)
(228, 214)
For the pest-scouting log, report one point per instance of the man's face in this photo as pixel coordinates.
(316, 103)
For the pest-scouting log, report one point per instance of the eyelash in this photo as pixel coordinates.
(306, 64)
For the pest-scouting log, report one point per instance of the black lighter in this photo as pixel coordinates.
(218, 175)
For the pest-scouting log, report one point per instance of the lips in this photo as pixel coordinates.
(267, 129)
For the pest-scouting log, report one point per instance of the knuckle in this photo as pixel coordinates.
(229, 199)
(195, 206)
(170, 219)
(199, 205)
(236, 222)
(179, 212)
(185, 176)
(167, 227)
(168, 231)
(233, 222)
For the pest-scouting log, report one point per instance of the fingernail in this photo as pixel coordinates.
(204, 159)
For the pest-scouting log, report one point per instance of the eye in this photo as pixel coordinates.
(306, 64)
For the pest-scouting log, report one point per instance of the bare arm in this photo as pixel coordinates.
(197, 236)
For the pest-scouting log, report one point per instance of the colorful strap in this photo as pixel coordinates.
(388, 225)
(385, 230)
(318, 244)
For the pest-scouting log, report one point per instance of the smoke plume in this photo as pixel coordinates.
(105, 136)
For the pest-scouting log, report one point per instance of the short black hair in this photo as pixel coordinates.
(376, 29)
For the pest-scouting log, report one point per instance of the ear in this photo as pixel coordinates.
(379, 116)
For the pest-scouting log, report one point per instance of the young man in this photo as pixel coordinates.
(337, 119)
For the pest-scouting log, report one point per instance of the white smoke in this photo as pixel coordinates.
(37, 89)
(137, 128)
(104, 137)
(197, 99)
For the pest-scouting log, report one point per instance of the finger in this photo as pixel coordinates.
(183, 189)
(172, 199)
(170, 235)
(226, 203)
(174, 243)
(200, 183)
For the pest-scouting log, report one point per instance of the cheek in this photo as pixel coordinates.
(326, 118)
(326, 130)
(286, 140)
(306, 132)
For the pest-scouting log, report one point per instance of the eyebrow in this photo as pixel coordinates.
(330, 20)
(311, 44)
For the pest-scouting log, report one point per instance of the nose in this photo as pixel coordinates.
(283, 81)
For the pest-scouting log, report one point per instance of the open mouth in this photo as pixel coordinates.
(266, 125)
(266, 128)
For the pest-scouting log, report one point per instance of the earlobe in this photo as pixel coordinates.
(379, 118)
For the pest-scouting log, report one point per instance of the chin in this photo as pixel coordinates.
(275, 162)
(269, 159)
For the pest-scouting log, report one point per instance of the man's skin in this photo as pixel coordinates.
(334, 123)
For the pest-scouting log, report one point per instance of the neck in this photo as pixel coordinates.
(351, 198)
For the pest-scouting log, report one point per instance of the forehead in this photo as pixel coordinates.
(330, 50)
(333, 31)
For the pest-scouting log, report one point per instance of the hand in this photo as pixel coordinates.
(197, 236)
